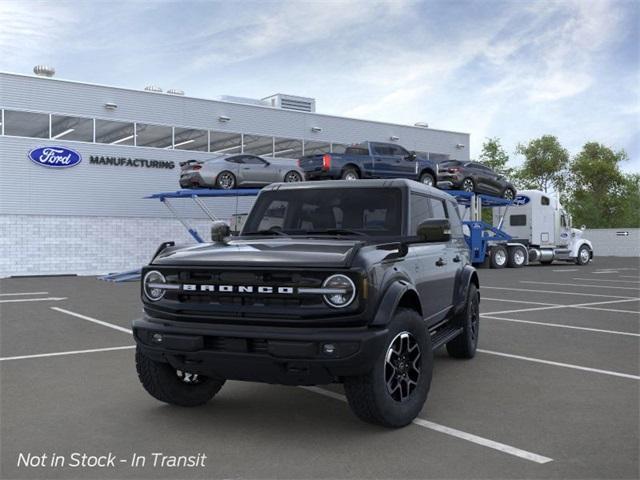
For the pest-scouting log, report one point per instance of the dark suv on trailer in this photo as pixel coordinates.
(333, 281)
(474, 177)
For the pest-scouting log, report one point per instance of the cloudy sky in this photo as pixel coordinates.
(513, 69)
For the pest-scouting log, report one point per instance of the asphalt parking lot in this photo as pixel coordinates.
(552, 393)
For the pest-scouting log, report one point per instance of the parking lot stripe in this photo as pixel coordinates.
(93, 320)
(47, 299)
(580, 285)
(519, 301)
(560, 364)
(485, 442)
(71, 352)
(628, 276)
(604, 280)
(534, 290)
(588, 306)
(23, 293)
(567, 270)
(560, 325)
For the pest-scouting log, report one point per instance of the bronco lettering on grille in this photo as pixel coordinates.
(190, 287)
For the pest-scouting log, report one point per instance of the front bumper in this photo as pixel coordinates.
(283, 355)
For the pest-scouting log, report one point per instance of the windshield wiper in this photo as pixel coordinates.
(267, 232)
(335, 231)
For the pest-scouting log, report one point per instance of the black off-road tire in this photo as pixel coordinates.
(162, 382)
(350, 173)
(499, 256)
(368, 395)
(465, 344)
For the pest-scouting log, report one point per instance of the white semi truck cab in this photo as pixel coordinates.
(538, 221)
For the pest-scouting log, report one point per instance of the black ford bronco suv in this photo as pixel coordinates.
(329, 282)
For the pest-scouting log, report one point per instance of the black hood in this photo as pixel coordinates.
(269, 252)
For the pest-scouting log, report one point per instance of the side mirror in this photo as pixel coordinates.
(434, 230)
(220, 231)
(411, 156)
(583, 228)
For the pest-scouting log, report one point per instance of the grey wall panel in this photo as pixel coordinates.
(58, 96)
(95, 190)
(614, 242)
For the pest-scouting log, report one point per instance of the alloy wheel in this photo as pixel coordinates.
(508, 194)
(402, 366)
(350, 176)
(292, 177)
(584, 255)
(427, 180)
(226, 181)
(467, 185)
(189, 378)
(518, 256)
(475, 319)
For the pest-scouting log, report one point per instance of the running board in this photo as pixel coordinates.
(444, 335)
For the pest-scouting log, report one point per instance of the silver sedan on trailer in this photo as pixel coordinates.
(242, 170)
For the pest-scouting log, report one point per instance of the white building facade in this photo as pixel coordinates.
(92, 218)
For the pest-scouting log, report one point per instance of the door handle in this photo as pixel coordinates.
(246, 168)
(457, 259)
(440, 262)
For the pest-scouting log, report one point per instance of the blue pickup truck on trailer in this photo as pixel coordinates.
(370, 160)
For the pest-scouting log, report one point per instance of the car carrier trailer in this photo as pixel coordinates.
(532, 228)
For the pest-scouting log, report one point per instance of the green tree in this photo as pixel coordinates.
(545, 164)
(494, 156)
(600, 195)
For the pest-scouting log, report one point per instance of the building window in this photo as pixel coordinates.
(190, 139)
(338, 147)
(26, 124)
(225, 143)
(287, 148)
(315, 148)
(114, 133)
(258, 145)
(157, 136)
(71, 128)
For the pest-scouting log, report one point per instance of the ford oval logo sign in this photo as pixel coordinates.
(55, 157)
(521, 200)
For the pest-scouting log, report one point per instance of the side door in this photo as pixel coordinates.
(426, 262)
(255, 171)
(383, 160)
(564, 238)
(480, 175)
(405, 165)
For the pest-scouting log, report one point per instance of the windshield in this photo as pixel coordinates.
(341, 212)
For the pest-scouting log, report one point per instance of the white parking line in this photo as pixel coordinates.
(628, 276)
(93, 320)
(533, 290)
(47, 299)
(560, 364)
(23, 293)
(567, 270)
(72, 352)
(561, 325)
(604, 280)
(518, 301)
(587, 306)
(581, 285)
(469, 437)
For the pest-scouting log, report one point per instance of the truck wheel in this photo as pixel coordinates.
(584, 255)
(350, 174)
(517, 257)
(498, 256)
(226, 180)
(508, 194)
(292, 176)
(465, 344)
(172, 386)
(427, 179)
(393, 393)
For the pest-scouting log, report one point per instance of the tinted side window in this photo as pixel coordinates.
(420, 211)
(253, 160)
(544, 200)
(518, 220)
(356, 151)
(454, 219)
(437, 208)
(398, 151)
(235, 160)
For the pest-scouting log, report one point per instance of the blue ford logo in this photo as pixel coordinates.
(521, 200)
(55, 157)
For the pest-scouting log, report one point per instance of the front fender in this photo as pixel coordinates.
(576, 246)
(390, 301)
(468, 276)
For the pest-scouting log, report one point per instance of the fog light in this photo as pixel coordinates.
(156, 338)
(329, 348)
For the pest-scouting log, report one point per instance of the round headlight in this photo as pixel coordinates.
(340, 291)
(152, 285)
